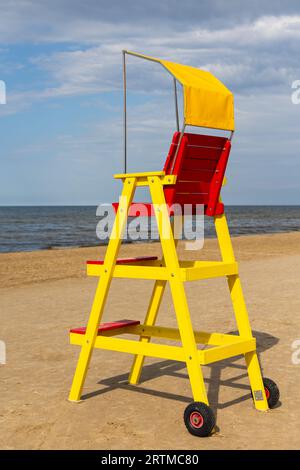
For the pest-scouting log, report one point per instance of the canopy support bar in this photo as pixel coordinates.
(124, 52)
(178, 145)
(124, 112)
(176, 104)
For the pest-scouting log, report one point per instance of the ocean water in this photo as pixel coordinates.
(50, 227)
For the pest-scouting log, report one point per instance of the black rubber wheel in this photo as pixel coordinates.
(199, 419)
(272, 392)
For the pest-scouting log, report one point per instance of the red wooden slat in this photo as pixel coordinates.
(195, 164)
(191, 199)
(200, 167)
(204, 152)
(218, 179)
(208, 140)
(107, 326)
(195, 175)
(126, 260)
(136, 209)
(191, 187)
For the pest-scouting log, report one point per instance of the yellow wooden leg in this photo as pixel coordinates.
(177, 290)
(102, 289)
(150, 320)
(155, 301)
(253, 366)
(187, 338)
(241, 315)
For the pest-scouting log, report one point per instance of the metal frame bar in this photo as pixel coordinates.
(140, 56)
(178, 146)
(124, 112)
(176, 103)
(151, 59)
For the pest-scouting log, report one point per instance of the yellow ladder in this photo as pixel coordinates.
(176, 272)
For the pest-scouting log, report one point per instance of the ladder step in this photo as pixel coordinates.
(126, 260)
(107, 326)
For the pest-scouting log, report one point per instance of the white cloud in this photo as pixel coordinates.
(256, 56)
(242, 55)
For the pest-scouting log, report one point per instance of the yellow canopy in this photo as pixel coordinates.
(207, 102)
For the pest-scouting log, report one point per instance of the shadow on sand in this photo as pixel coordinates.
(177, 369)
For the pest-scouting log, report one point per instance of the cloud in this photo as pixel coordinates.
(244, 56)
(73, 51)
(77, 21)
(250, 49)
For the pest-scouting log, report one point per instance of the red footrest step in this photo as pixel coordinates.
(127, 260)
(107, 326)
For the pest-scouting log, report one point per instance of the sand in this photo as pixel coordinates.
(44, 293)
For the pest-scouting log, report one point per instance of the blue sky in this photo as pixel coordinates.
(61, 129)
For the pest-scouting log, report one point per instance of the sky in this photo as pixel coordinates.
(61, 62)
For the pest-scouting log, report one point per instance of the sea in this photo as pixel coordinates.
(29, 228)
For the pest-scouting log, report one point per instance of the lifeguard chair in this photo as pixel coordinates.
(193, 174)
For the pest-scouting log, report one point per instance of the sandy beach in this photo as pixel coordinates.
(45, 293)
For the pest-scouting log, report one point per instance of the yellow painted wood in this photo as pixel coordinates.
(219, 353)
(145, 335)
(139, 175)
(189, 271)
(177, 290)
(102, 290)
(142, 178)
(241, 314)
(201, 337)
(143, 348)
(209, 270)
(130, 271)
(176, 272)
(149, 331)
(165, 180)
(150, 320)
(133, 347)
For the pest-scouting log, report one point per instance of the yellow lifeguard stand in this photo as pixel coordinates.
(193, 174)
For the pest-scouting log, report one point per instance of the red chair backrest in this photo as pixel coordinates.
(200, 167)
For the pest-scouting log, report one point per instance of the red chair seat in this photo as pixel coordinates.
(200, 167)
